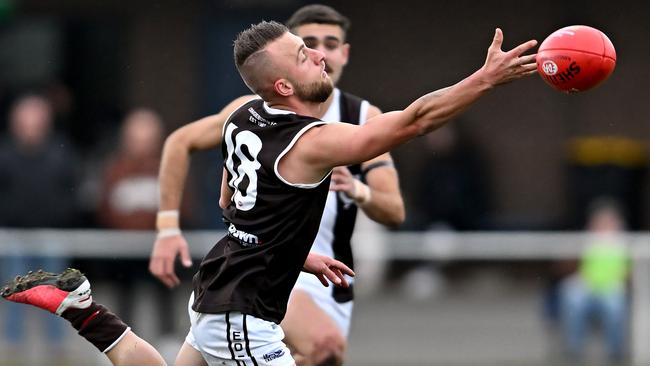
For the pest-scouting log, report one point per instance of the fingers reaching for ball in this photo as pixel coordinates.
(522, 48)
(527, 59)
(502, 67)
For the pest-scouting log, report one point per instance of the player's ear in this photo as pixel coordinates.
(283, 87)
(345, 49)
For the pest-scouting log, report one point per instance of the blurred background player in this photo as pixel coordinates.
(318, 318)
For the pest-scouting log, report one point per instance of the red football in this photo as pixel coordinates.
(576, 58)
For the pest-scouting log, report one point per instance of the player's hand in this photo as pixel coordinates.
(326, 268)
(163, 257)
(343, 181)
(502, 67)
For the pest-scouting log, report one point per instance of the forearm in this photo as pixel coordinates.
(433, 110)
(379, 195)
(385, 208)
(174, 166)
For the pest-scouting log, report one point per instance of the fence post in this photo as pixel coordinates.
(640, 317)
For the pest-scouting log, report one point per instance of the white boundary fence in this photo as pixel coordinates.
(371, 246)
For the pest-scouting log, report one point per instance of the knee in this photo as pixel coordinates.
(328, 349)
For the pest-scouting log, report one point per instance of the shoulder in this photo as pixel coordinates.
(239, 104)
(239, 101)
(244, 102)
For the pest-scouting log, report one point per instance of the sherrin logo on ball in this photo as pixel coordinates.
(549, 67)
(576, 58)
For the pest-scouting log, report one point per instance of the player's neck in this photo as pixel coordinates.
(301, 107)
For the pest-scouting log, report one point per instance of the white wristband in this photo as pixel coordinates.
(167, 233)
(167, 219)
(168, 213)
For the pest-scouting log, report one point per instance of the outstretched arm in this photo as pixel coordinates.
(320, 149)
(200, 135)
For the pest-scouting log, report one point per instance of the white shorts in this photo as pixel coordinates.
(236, 339)
(341, 313)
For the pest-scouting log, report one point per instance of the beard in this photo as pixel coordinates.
(315, 92)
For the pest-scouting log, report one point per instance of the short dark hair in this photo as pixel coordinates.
(319, 14)
(256, 38)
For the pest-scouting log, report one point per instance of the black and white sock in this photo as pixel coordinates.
(98, 325)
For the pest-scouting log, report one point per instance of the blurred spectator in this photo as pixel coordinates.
(129, 201)
(598, 166)
(597, 291)
(37, 170)
(129, 198)
(38, 185)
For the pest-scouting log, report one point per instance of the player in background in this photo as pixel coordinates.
(318, 318)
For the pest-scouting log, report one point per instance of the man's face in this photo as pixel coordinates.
(141, 134)
(606, 221)
(303, 67)
(330, 40)
(30, 121)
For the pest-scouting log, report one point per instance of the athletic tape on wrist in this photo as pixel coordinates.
(167, 219)
(169, 232)
(362, 193)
